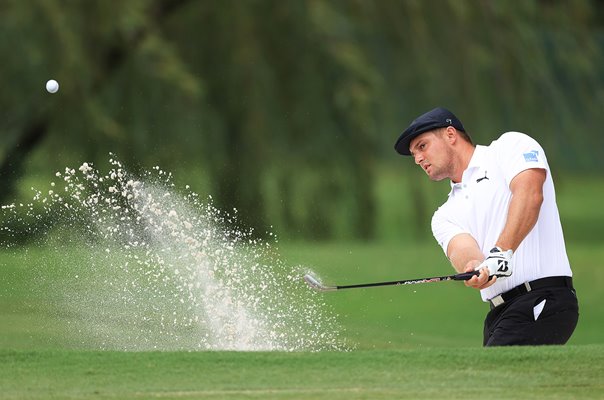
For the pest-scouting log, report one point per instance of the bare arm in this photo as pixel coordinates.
(465, 255)
(463, 250)
(527, 197)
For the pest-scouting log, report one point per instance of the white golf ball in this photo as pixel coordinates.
(52, 86)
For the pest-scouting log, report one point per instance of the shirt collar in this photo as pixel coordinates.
(480, 152)
(478, 157)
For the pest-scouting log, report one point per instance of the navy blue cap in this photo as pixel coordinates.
(433, 119)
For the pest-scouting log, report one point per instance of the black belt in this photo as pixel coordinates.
(552, 281)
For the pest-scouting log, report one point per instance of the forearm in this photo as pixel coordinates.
(462, 251)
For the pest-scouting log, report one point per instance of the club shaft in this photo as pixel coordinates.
(457, 277)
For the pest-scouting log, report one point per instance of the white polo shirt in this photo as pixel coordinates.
(478, 205)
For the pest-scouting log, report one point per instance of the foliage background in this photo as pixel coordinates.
(288, 110)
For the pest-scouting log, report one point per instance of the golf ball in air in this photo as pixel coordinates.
(52, 86)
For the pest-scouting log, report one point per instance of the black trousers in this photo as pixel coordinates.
(514, 323)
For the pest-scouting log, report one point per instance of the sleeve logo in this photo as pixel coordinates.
(531, 156)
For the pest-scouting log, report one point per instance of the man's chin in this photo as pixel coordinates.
(435, 178)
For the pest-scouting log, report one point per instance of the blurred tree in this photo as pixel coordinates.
(285, 107)
(87, 55)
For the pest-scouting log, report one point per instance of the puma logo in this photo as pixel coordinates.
(483, 178)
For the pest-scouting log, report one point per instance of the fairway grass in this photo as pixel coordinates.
(416, 342)
(468, 373)
(391, 318)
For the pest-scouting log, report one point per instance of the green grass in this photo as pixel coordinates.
(412, 342)
(415, 342)
(429, 315)
(503, 373)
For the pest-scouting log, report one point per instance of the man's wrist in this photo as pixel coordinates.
(500, 249)
(497, 251)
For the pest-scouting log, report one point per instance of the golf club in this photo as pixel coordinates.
(315, 284)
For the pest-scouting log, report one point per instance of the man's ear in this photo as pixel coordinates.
(451, 134)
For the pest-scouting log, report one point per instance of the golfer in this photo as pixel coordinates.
(500, 219)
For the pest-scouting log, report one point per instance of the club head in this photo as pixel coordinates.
(316, 285)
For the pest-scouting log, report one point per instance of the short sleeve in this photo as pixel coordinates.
(517, 152)
(444, 228)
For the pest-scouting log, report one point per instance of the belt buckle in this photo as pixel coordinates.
(497, 301)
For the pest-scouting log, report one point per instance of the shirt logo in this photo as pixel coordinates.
(483, 178)
(531, 156)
